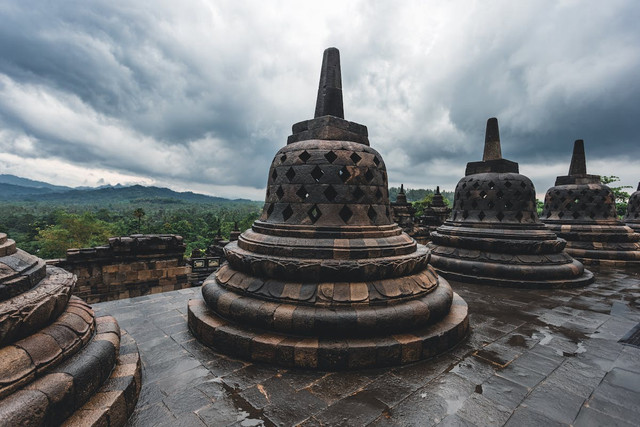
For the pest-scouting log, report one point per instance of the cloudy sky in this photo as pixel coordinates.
(199, 95)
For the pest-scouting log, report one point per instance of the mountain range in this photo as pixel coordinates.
(17, 189)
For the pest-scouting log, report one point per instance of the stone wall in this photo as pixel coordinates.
(128, 267)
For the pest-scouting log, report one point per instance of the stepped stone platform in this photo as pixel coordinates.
(533, 357)
(325, 279)
(582, 210)
(59, 363)
(494, 235)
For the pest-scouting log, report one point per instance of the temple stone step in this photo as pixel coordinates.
(7, 246)
(328, 354)
(34, 356)
(114, 403)
(30, 311)
(19, 273)
(54, 397)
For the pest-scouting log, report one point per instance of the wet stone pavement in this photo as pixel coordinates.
(532, 358)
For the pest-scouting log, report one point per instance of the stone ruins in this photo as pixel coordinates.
(128, 267)
(325, 279)
(57, 360)
(582, 211)
(494, 236)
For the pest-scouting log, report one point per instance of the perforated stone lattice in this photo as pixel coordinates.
(580, 203)
(303, 182)
(490, 197)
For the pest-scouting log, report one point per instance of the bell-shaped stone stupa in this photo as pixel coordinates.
(632, 217)
(494, 236)
(402, 211)
(437, 212)
(582, 210)
(325, 279)
(57, 360)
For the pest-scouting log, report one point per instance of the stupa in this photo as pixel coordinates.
(494, 236)
(324, 278)
(632, 217)
(437, 212)
(433, 216)
(57, 360)
(582, 210)
(402, 211)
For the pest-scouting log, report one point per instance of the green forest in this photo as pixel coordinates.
(49, 229)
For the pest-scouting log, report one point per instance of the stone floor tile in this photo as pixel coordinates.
(249, 375)
(424, 372)
(299, 379)
(188, 420)
(622, 378)
(521, 375)
(483, 412)
(474, 370)
(294, 408)
(576, 377)
(211, 386)
(169, 368)
(591, 418)
(225, 412)
(499, 355)
(186, 401)
(538, 363)
(419, 409)
(150, 394)
(503, 391)
(629, 359)
(183, 380)
(526, 417)
(455, 421)
(336, 385)
(358, 409)
(390, 389)
(555, 403)
(628, 412)
(150, 415)
(615, 394)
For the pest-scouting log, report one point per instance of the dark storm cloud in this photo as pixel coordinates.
(202, 94)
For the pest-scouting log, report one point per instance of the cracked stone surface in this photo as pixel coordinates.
(533, 357)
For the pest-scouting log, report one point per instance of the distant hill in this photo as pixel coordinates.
(135, 193)
(13, 188)
(18, 192)
(30, 183)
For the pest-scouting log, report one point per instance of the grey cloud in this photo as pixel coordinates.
(214, 87)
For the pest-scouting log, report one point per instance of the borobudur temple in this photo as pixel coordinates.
(58, 362)
(494, 236)
(582, 210)
(324, 278)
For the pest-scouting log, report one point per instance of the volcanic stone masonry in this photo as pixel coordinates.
(494, 236)
(128, 267)
(632, 217)
(57, 360)
(582, 210)
(324, 278)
